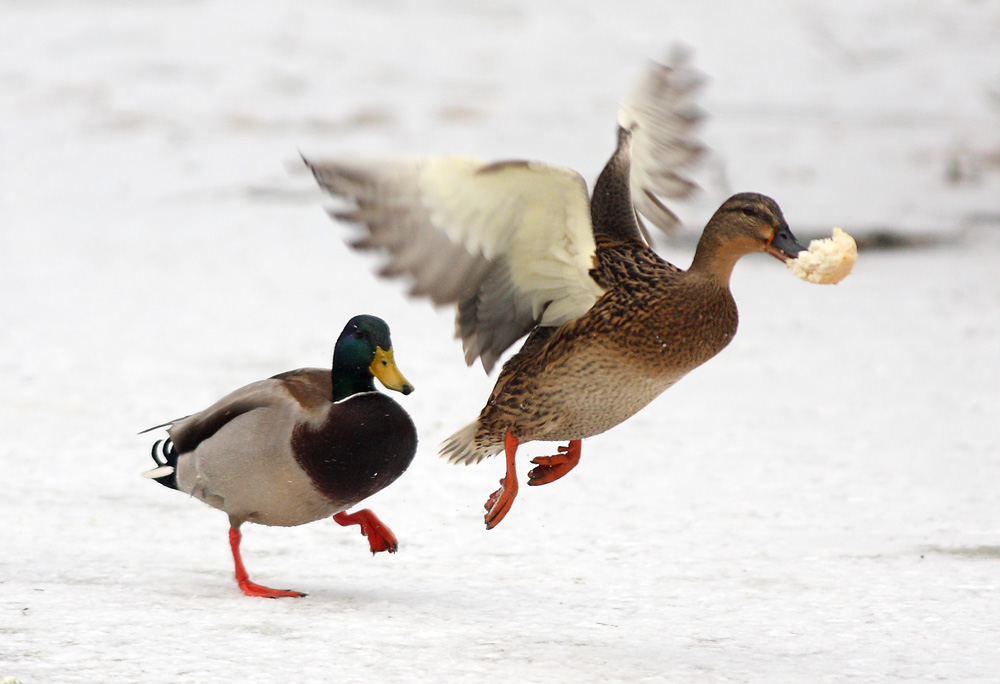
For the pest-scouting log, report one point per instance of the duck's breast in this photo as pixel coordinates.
(587, 394)
(366, 442)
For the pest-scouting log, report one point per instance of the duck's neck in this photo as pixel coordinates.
(350, 379)
(712, 259)
(611, 209)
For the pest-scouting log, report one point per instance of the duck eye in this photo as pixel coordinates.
(358, 335)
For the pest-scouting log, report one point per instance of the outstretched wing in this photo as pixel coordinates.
(663, 116)
(510, 243)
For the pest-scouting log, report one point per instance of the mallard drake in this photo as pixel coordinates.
(520, 249)
(297, 447)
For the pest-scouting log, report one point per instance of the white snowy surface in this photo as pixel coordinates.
(817, 504)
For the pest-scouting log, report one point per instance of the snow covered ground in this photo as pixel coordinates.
(817, 504)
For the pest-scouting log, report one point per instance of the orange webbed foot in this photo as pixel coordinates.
(243, 580)
(253, 589)
(550, 468)
(502, 499)
(500, 502)
(380, 537)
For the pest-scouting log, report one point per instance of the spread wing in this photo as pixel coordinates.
(510, 243)
(663, 116)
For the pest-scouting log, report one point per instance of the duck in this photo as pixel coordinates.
(297, 447)
(520, 248)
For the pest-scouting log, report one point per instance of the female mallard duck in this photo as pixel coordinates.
(520, 249)
(303, 445)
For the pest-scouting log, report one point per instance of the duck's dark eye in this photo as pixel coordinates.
(358, 335)
(752, 212)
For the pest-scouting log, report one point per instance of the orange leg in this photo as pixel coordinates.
(250, 588)
(551, 468)
(380, 537)
(500, 501)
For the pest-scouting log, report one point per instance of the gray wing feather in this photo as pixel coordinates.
(455, 246)
(493, 319)
(664, 116)
(187, 433)
(388, 207)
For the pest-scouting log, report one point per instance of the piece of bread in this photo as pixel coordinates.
(827, 261)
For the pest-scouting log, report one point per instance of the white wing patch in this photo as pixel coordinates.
(535, 216)
(510, 243)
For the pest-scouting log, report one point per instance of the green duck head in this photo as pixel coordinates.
(364, 352)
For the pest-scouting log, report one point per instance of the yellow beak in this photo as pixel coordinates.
(384, 368)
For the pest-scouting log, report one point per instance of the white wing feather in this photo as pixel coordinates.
(517, 244)
(534, 216)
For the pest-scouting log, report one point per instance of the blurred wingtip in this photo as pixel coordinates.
(664, 115)
(298, 166)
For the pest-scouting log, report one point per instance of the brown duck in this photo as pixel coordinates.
(520, 249)
(297, 447)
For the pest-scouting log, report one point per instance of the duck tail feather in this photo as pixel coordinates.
(165, 456)
(463, 448)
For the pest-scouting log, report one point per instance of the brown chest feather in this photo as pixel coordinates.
(656, 315)
(654, 324)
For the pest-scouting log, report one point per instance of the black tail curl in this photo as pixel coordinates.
(164, 454)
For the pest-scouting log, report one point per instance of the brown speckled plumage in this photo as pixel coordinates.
(653, 325)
